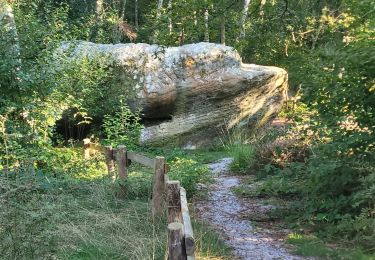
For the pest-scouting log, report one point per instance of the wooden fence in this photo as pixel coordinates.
(165, 192)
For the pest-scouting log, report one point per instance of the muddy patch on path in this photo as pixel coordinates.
(227, 214)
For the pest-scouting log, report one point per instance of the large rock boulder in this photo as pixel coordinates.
(188, 93)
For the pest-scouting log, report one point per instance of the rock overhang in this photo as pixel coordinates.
(192, 90)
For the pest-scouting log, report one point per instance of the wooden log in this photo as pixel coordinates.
(167, 168)
(114, 153)
(175, 242)
(109, 160)
(158, 192)
(188, 229)
(141, 159)
(121, 162)
(86, 148)
(166, 179)
(121, 167)
(174, 202)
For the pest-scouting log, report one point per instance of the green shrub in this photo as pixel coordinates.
(69, 162)
(122, 128)
(335, 193)
(189, 173)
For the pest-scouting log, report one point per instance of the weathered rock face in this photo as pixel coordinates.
(187, 93)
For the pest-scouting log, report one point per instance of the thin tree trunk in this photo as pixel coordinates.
(170, 26)
(222, 29)
(261, 12)
(158, 11)
(206, 29)
(158, 14)
(9, 35)
(99, 9)
(136, 15)
(122, 16)
(181, 38)
(195, 18)
(243, 18)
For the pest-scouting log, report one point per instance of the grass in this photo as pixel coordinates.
(279, 189)
(77, 216)
(311, 246)
(243, 157)
(209, 243)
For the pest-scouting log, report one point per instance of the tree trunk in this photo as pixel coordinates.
(158, 11)
(123, 8)
(158, 14)
(206, 30)
(170, 26)
(9, 37)
(243, 18)
(8, 27)
(261, 12)
(222, 29)
(136, 15)
(99, 10)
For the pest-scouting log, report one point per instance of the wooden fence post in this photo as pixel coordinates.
(121, 162)
(109, 159)
(86, 148)
(121, 167)
(158, 192)
(174, 202)
(175, 241)
(188, 229)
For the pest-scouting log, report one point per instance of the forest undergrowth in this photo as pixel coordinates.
(289, 170)
(76, 213)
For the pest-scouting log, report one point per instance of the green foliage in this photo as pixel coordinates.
(243, 157)
(311, 246)
(308, 245)
(335, 193)
(138, 185)
(189, 172)
(73, 217)
(63, 162)
(286, 182)
(209, 243)
(123, 128)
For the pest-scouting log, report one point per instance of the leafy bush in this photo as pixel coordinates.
(281, 182)
(123, 127)
(63, 162)
(335, 192)
(189, 173)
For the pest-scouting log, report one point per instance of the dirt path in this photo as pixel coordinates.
(225, 212)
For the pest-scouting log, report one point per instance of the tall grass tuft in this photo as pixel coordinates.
(243, 157)
(237, 142)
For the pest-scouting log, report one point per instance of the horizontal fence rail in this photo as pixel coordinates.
(165, 193)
